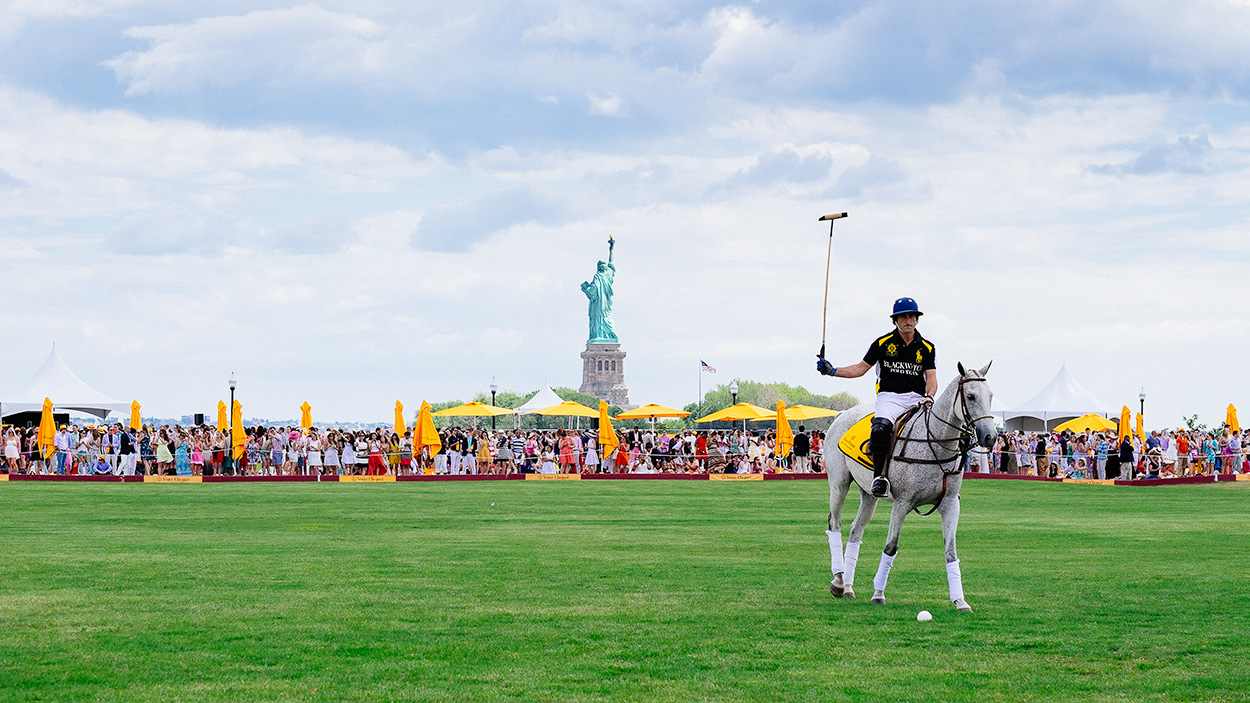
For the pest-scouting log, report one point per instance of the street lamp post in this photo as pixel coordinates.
(493, 388)
(230, 440)
(733, 390)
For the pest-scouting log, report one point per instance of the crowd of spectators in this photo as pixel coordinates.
(1163, 454)
(287, 451)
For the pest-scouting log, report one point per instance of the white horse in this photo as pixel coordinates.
(926, 469)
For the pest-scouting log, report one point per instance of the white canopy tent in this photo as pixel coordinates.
(1059, 401)
(57, 381)
(545, 398)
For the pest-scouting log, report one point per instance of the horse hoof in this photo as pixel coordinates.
(847, 592)
(835, 589)
(962, 606)
(878, 598)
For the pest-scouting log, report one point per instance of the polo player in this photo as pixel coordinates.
(906, 375)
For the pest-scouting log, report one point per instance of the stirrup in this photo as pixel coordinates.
(880, 487)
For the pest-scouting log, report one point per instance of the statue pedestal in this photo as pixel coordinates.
(603, 374)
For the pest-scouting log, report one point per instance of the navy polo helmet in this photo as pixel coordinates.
(905, 305)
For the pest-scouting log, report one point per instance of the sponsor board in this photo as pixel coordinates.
(173, 479)
(553, 477)
(366, 479)
(735, 477)
(1091, 481)
(1242, 477)
(4, 477)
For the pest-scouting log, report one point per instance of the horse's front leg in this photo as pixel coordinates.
(950, 524)
(897, 514)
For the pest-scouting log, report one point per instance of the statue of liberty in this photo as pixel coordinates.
(599, 291)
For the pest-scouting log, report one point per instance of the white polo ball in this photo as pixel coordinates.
(924, 616)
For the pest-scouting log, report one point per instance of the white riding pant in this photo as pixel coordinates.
(891, 405)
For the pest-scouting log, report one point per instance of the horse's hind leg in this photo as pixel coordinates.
(839, 482)
(897, 514)
(867, 506)
(950, 524)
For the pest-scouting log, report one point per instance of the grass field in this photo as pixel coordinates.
(623, 590)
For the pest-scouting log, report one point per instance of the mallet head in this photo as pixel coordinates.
(835, 216)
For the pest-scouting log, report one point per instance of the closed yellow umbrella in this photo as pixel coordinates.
(651, 410)
(785, 436)
(238, 440)
(400, 427)
(1231, 419)
(607, 436)
(222, 421)
(1126, 418)
(135, 420)
(305, 416)
(426, 435)
(1085, 423)
(1140, 432)
(47, 430)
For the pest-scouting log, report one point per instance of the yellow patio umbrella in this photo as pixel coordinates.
(424, 432)
(238, 438)
(135, 420)
(222, 422)
(568, 407)
(1231, 419)
(785, 436)
(305, 416)
(1140, 433)
(1086, 423)
(740, 411)
(47, 430)
(808, 412)
(474, 409)
(607, 436)
(400, 427)
(651, 410)
(1126, 417)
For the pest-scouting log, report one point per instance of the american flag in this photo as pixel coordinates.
(705, 367)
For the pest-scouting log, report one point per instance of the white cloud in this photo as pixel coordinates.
(274, 46)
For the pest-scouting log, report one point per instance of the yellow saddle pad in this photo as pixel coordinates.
(854, 443)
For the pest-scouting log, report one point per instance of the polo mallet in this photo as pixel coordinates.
(828, 257)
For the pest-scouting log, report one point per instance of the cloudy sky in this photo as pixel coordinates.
(353, 203)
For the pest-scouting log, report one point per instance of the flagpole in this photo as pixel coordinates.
(700, 388)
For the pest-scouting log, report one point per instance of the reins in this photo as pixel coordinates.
(965, 438)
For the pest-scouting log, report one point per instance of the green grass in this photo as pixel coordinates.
(649, 591)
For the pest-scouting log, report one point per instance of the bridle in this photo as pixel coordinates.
(965, 437)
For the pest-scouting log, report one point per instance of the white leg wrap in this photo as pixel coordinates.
(835, 551)
(848, 562)
(955, 579)
(883, 572)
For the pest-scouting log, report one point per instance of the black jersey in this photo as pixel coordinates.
(901, 367)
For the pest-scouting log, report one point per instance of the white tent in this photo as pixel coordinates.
(1062, 399)
(58, 381)
(544, 399)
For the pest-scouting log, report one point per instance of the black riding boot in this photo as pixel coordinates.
(879, 448)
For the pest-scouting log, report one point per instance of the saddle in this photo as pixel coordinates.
(854, 443)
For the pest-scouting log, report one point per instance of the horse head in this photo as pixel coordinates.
(975, 406)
